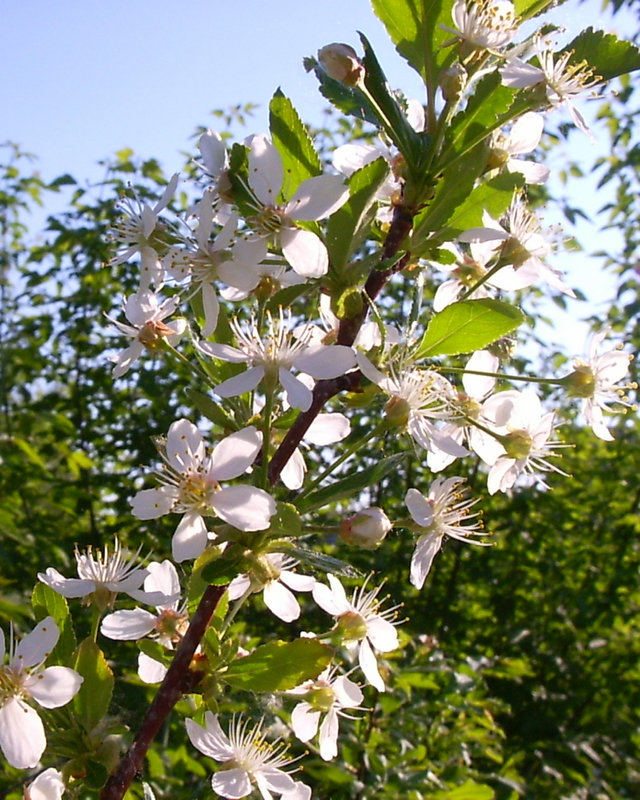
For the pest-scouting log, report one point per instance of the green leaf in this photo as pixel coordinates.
(494, 196)
(413, 145)
(489, 101)
(607, 55)
(468, 325)
(416, 28)
(470, 790)
(285, 522)
(224, 568)
(349, 225)
(279, 666)
(352, 485)
(294, 144)
(92, 701)
(48, 603)
(211, 410)
(319, 561)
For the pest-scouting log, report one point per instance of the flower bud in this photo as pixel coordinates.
(452, 82)
(340, 62)
(366, 529)
(581, 382)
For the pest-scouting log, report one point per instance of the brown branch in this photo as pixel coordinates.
(170, 691)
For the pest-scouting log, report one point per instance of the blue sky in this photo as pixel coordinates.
(83, 79)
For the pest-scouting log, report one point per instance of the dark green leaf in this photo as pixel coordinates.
(92, 701)
(350, 224)
(279, 666)
(607, 55)
(294, 144)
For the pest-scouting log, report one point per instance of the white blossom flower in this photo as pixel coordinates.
(468, 404)
(48, 785)
(102, 577)
(248, 759)
(361, 623)
(273, 576)
(521, 441)
(146, 313)
(485, 24)
(142, 231)
(562, 80)
(167, 625)
(521, 247)
(466, 272)
(595, 381)
(22, 735)
(444, 511)
(524, 136)
(191, 486)
(271, 359)
(419, 399)
(315, 199)
(203, 261)
(326, 696)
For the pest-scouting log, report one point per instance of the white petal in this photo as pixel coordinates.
(281, 602)
(304, 721)
(213, 152)
(162, 577)
(426, 550)
(317, 198)
(348, 694)
(126, 358)
(185, 446)
(223, 351)
(478, 386)
(297, 582)
(420, 508)
(37, 645)
(329, 736)
(190, 537)
(67, 587)
(244, 507)
(305, 252)
(327, 362)
(54, 686)
(369, 666)
(211, 307)
(292, 474)
(382, 634)
(47, 786)
(211, 739)
(265, 170)
(150, 670)
(298, 395)
(526, 133)
(240, 384)
(128, 625)
(328, 429)
(22, 738)
(332, 601)
(235, 454)
(350, 157)
(533, 173)
(231, 783)
(153, 503)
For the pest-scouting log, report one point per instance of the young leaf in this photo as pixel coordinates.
(417, 30)
(92, 701)
(494, 196)
(468, 325)
(352, 485)
(292, 139)
(48, 603)
(607, 55)
(279, 666)
(349, 225)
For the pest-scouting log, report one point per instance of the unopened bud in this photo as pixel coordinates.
(452, 82)
(366, 529)
(341, 62)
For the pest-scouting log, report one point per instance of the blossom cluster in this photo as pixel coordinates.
(251, 286)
